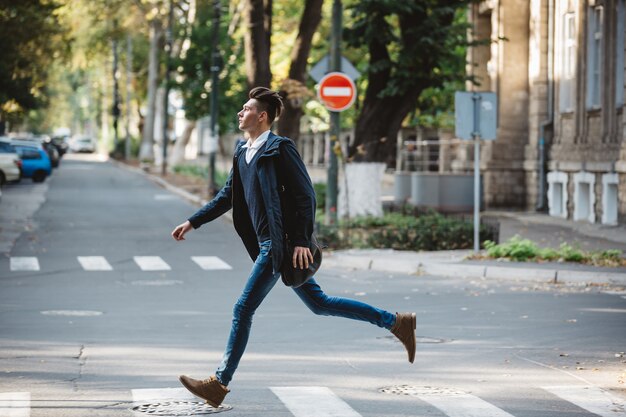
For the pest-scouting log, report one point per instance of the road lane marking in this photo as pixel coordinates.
(463, 405)
(592, 399)
(209, 263)
(15, 404)
(313, 402)
(24, 263)
(151, 263)
(71, 313)
(94, 263)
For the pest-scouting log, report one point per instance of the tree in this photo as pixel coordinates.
(410, 46)
(30, 38)
(293, 89)
(257, 41)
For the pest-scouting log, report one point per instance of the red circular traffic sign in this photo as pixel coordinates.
(336, 91)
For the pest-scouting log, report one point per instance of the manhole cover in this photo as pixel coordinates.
(180, 408)
(419, 339)
(420, 391)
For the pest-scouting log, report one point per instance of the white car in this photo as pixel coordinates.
(10, 163)
(82, 144)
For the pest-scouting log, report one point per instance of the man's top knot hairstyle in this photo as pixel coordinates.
(269, 102)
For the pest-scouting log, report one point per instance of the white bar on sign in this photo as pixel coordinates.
(593, 399)
(24, 263)
(94, 263)
(15, 404)
(209, 263)
(463, 405)
(313, 402)
(151, 263)
(336, 91)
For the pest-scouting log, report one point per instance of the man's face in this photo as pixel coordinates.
(250, 117)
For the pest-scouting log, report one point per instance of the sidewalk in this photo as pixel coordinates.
(544, 230)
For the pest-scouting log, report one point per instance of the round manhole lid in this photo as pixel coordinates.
(420, 391)
(180, 408)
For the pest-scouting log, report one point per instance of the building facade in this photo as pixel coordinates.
(558, 68)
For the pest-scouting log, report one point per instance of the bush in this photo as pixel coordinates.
(201, 171)
(430, 231)
(320, 195)
(519, 249)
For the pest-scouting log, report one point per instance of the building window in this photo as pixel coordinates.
(594, 56)
(557, 194)
(619, 70)
(610, 202)
(568, 73)
(584, 196)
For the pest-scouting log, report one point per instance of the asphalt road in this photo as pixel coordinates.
(107, 334)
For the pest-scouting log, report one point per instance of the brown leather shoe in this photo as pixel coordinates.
(404, 329)
(209, 390)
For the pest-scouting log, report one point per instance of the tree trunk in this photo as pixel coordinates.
(146, 151)
(381, 117)
(289, 122)
(257, 43)
(178, 152)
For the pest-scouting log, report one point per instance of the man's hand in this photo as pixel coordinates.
(180, 230)
(302, 256)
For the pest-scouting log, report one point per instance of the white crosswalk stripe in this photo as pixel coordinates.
(323, 402)
(94, 263)
(151, 263)
(24, 263)
(209, 263)
(592, 399)
(100, 263)
(14, 404)
(170, 402)
(313, 402)
(463, 405)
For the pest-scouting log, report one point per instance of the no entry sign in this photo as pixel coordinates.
(336, 91)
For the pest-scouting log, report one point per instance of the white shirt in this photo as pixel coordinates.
(253, 147)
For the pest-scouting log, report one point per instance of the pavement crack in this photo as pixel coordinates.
(82, 361)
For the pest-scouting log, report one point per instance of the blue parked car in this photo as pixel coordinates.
(35, 161)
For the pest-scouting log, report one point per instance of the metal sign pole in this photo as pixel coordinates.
(476, 135)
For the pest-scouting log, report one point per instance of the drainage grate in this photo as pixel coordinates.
(180, 408)
(420, 391)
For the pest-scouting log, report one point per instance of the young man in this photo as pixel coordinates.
(252, 191)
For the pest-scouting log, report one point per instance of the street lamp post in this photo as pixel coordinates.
(166, 87)
(215, 71)
(335, 119)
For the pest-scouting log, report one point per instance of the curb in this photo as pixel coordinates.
(456, 269)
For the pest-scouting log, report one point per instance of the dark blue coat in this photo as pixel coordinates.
(288, 196)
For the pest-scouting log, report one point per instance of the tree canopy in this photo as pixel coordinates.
(57, 69)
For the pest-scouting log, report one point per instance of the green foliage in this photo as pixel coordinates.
(320, 195)
(30, 38)
(201, 171)
(431, 231)
(422, 41)
(518, 249)
(194, 70)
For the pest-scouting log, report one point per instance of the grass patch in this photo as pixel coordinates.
(525, 250)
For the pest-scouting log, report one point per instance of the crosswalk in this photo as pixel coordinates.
(316, 401)
(100, 263)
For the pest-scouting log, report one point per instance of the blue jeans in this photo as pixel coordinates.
(260, 282)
